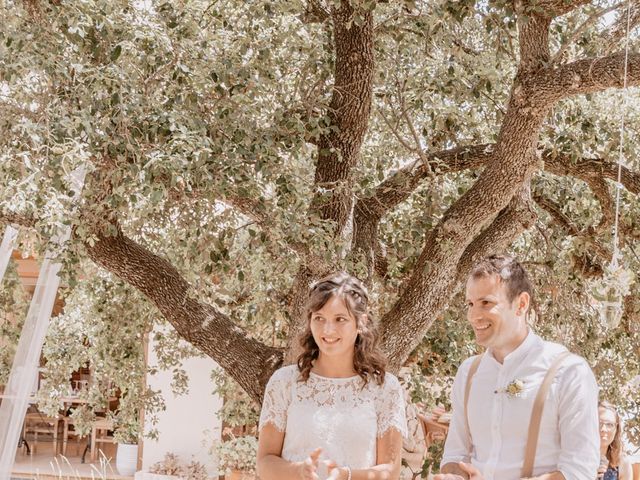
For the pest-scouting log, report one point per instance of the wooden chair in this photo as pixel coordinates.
(433, 431)
(68, 432)
(36, 423)
(100, 434)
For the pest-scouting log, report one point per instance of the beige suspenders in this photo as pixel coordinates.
(536, 412)
(467, 391)
(536, 415)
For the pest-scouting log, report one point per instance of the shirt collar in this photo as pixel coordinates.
(530, 342)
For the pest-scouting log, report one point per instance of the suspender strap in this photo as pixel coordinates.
(536, 416)
(467, 390)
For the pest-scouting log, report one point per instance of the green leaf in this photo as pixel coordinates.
(115, 53)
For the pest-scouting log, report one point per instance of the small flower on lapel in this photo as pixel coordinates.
(514, 389)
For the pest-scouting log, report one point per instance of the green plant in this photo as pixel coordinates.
(127, 430)
(238, 409)
(83, 418)
(239, 453)
(172, 465)
(432, 461)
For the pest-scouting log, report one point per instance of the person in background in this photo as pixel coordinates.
(614, 465)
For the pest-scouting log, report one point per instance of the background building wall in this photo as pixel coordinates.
(189, 425)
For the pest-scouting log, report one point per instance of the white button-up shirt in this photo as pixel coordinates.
(569, 439)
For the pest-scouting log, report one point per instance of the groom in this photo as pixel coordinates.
(526, 408)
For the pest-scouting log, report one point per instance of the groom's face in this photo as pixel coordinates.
(492, 315)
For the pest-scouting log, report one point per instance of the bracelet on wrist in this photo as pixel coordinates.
(348, 473)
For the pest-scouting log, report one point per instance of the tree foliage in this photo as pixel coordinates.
(239, 150)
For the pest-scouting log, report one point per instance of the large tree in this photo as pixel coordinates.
(237, 151)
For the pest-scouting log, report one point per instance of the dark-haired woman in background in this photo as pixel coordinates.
(614, 465)
(337, 411)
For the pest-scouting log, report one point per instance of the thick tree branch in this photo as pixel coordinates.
(588, 75)
(436, 268)
(533, 34)
(556, 8)
(589, 169)
(380, 258)
(555, 210)
(397, 188)
(249, 361)
(516, 218)
(339, 151)
(315, 12)
(401, 184)
(349, 112)
(365, 239)
(631, 315)
(12, 218)
(600, 189)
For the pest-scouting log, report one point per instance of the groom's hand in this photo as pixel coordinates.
(451, 471)
(447, 476)
(473, 472)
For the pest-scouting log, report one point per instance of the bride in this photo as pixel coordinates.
(336, 412)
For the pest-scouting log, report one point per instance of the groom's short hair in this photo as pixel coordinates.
(510, 271)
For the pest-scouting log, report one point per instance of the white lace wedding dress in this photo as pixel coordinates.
(341, 415)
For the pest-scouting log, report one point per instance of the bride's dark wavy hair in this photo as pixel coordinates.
(368, 360)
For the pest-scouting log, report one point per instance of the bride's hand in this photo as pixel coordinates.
(333, 469)
(310, 465)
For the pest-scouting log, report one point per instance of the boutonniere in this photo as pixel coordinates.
(514, 389)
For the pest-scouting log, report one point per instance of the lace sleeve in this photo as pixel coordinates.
(391, 407)
(277, 397)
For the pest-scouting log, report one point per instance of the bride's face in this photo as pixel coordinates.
(334, 329)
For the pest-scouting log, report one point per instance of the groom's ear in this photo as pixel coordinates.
(524, 302)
